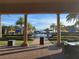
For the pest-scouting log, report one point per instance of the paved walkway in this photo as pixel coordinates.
(31, 53)
(37, 42)
(46, 51)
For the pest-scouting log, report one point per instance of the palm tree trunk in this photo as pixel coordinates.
(58, 30)
(25, 43)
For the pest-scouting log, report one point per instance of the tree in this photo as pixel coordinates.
(76, 23)
(53, 26)
(62, 27)
(47, 31)
(30, 26)
(21, 23)
(34, 28)
(11, 27)
(72, 17)
(4, 29)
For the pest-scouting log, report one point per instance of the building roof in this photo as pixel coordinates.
(39, 6)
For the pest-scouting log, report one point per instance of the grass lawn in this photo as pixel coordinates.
(17, 43)
(53, 42)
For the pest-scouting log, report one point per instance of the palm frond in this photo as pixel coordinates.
(71, 17)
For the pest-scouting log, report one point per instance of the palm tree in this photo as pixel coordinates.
(47, 31)
(26, 27)
(76, 23)
(4, 29)
(30, 26)
(11, 27)
(34, 28)
(62, 26)
(53, 26)
(21, 23)
(72, 17)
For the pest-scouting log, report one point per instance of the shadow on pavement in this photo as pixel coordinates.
(56, 56)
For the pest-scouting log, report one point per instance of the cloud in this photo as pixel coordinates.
(7, 23)
(10, 19)
(42, 23)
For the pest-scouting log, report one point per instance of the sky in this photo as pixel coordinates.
(40, 21)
